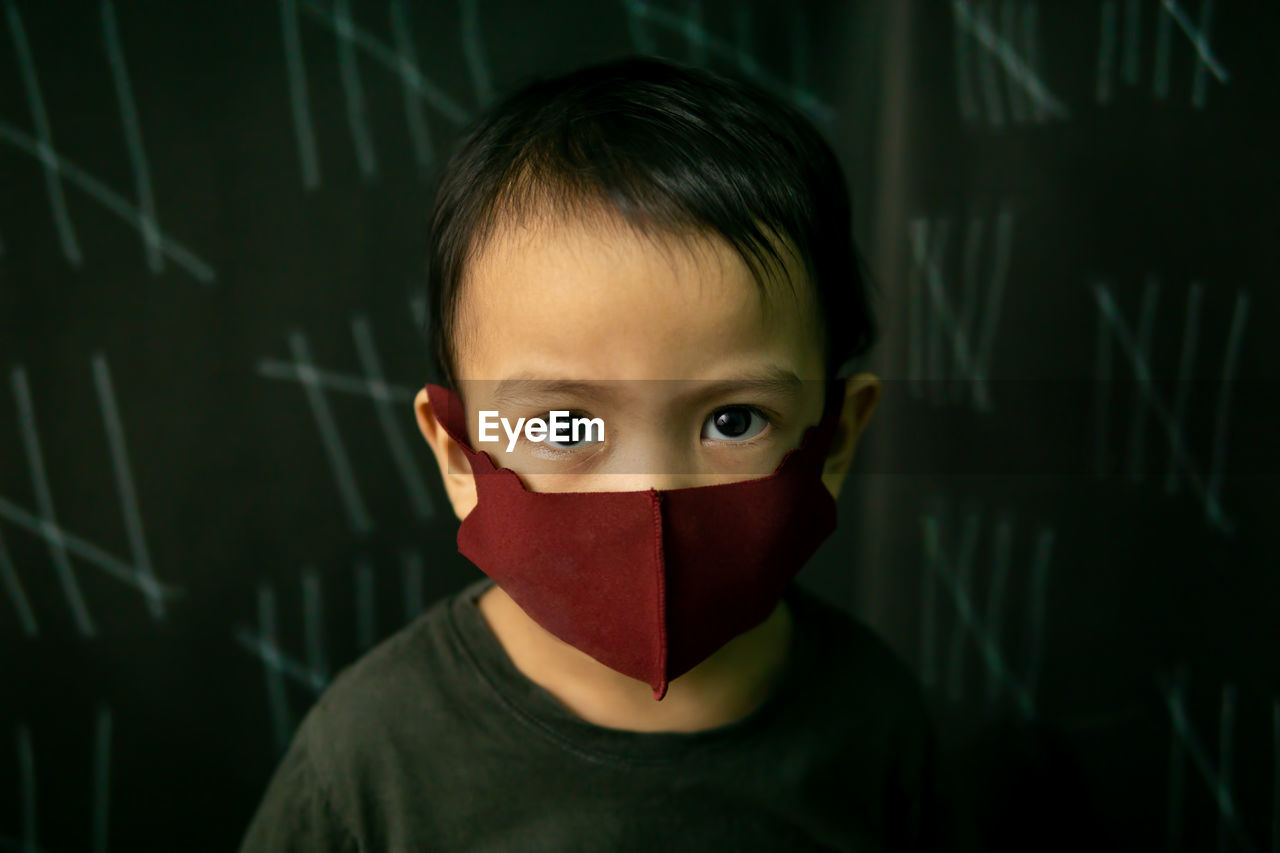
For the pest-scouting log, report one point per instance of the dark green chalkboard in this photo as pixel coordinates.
(213, 494)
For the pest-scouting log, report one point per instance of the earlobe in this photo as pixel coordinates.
(862, 393)
(455, 469)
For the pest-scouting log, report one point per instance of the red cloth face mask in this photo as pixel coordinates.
(649, 583)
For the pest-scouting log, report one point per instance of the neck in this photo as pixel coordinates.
(725, 687)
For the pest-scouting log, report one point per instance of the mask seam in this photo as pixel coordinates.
(660, 567)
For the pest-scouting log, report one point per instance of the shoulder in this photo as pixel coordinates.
(378, 708)
(880, 715)
(316, 796)
(401, 664)
(859, 663)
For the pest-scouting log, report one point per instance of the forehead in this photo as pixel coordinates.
(574, 299)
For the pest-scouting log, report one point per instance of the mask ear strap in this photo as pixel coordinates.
(453, 417)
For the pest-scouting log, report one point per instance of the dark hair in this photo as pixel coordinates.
(674, 149)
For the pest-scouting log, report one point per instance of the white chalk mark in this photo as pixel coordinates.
(365, 622)
(1218, 786)
(101, 776)
(357, 114)
(299, 98)
(933, 341)
(639, 11)
(999, 581)
(692, 27)
(277, 699)
(1226, 736)
(1132, 33)
(1217, 461)
(965, 96)
(1164, 50)
(1199, 40)
(1200, 81)
(418, 308)
(1106, 51)
(27, 782)
(418, 133)
(14, 587)
(1186, 369)
(962, 579)
(968, 363)
(419, 498)
(929, 626)
(270, 654)
(964, 61)
(930, 329)
(387, 57)
(330, 380)
(124, 484)
(1138, 414)
(1031, 52)
(969, 295)
(44, 500)
(991, 308)
(990, 77)
(336, 452)
(313, 630)
(1102, 396)
(473, 49)
(411, 570)
(1142, 373)
(58, 537)
(640, 35)
(926, 258)
(1018, 109)
(1036, 612)
(1013, 65)
(133, 138)
(107, 197)
(44, 148)
(990, 652)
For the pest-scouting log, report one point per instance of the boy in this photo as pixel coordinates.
(667, 251)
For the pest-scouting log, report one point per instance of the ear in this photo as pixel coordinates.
(861, 394)
(455, 469)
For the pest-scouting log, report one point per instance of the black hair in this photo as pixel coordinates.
(672, 149)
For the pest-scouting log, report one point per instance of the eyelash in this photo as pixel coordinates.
(770, 418)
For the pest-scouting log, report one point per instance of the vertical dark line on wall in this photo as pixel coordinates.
(885, 259)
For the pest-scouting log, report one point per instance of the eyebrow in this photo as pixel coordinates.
(520, 391)
(774, 380)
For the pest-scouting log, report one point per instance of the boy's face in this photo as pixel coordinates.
(696, 380)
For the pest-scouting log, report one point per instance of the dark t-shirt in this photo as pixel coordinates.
(434, 740)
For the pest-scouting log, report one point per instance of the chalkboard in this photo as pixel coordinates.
(212, 309)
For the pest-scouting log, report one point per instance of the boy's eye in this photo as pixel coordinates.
(734, 423)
